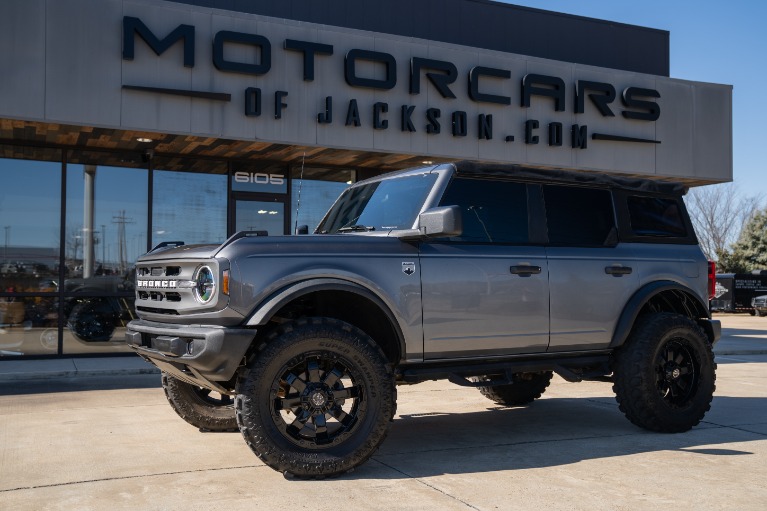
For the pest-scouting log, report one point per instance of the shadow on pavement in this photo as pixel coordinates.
(551, 432)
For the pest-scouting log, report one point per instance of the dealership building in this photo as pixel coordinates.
(126, 123)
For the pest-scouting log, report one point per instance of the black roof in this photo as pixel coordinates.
(470, 168)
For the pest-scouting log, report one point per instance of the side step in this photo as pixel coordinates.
(570, 368)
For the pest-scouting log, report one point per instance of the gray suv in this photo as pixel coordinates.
(489, 276)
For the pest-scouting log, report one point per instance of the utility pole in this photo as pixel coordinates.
(122, 248)
(7, 237)
(103, 246)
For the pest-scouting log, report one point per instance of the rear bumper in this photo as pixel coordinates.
(196, 354)
(713, 329)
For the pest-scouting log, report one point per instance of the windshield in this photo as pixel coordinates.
(380, 206)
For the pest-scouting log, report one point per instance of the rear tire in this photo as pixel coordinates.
(665, 374)
(527, 387)
(317, 401)
(202, 408)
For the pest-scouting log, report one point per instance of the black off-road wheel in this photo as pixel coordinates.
(665, 375)
(202, 408)
(527, 387)
(317, 400)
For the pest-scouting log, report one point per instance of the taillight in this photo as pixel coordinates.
(711, 279)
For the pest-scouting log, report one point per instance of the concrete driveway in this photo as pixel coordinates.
(112, 442)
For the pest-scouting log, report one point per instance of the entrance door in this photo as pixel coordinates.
(260, 215)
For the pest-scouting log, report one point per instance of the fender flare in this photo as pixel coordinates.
(264, 311)
(640, 299)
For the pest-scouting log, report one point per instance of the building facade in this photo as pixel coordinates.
(126, 123)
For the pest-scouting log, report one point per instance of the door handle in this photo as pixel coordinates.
(525, 270)
(618, 271)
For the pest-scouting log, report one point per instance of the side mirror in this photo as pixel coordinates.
(436, 222)
(302, 229)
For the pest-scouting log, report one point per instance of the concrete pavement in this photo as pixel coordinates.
(112, 443)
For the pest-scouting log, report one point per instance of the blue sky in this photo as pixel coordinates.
(711, 41)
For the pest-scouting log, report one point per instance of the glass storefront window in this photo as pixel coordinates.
(30, 213)
(106, 223)
(30, 209)
(317, 191)
(105, 232)
(96, 324)
(189, 206)
(29, 326)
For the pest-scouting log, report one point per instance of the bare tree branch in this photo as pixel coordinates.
(718, 213)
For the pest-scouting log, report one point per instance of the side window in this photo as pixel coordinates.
(579, 216)
(493, 211)
(656, 217)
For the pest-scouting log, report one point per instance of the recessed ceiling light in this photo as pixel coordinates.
(143, 139)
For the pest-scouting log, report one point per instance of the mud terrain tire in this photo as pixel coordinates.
(200, 407)
(664, 376)
(317, 400)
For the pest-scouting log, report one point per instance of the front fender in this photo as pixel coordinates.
(270, 306)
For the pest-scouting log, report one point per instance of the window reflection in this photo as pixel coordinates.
(260, 216)
(106, 224)
(96, 324)
(28, 326)
(189, 207)
(30, 209)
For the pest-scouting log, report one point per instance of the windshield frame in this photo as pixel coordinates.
(443, 173)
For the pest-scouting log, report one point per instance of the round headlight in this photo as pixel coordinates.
(204, 284)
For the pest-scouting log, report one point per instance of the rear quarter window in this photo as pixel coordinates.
(658, 217)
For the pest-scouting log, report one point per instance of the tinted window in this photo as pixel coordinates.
(578, 216)
(493, 211)
(652, 216)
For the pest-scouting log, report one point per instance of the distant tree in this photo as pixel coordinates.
(731, 262)
(750, 251)
(718, 213)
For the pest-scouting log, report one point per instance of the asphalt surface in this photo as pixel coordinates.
(83, 440)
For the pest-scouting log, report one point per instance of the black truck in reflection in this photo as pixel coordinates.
(94, 316)
(92, 307)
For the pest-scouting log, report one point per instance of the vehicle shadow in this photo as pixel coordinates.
(552, 432)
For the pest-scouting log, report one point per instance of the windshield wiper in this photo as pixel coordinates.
(356, 228)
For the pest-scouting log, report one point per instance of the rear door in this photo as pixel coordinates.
(591, 274)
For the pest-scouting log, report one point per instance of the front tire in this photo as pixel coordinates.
(664, 376)
(318, 399)
(200, 407)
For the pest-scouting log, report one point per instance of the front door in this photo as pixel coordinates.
(486, 292)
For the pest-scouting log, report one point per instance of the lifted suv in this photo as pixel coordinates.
(489, 276)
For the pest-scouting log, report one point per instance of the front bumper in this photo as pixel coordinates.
(198, 354)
